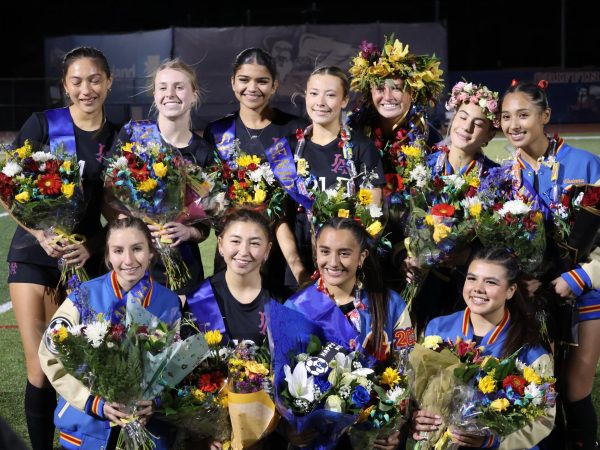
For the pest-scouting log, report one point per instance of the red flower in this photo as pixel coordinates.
(253, 166)
(471, 192)
(49, 184)
(393, 183)
(117, 331)
(591, 197)
(142, 329)
(462, 348)
(141, 174)
(516, 382)
(30, 165)
(52, 166)
(299, 134)
(497, 206)
(210, 382)
(438, 183)
(6, 187)
(241, 174)
(443, 209)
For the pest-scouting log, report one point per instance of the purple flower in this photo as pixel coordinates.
(367, 49)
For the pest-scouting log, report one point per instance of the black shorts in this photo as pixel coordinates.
(19, 272)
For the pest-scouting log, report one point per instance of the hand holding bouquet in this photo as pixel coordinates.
(42, 190)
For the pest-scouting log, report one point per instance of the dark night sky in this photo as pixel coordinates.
(482, 35)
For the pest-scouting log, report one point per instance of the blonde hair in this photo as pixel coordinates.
(180, 66)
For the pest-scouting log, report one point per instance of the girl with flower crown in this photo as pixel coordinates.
(348, 299)
(497, 317)
(543, 168)
(82, 418)
(34, 272)
(397, 89)
(176, 93)
(325, 153)
(473, 124)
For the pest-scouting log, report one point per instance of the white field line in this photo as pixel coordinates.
(5, 307)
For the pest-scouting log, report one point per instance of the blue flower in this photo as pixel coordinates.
(360, 396)
(322, 384)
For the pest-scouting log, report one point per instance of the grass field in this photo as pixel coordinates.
(12, 366)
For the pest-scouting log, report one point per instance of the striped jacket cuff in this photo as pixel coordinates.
(95, 406)
(578, 280)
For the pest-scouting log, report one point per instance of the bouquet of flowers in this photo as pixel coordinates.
(385, 412)
(321, 387)
(204, 195)
(250, 182)
(508, 220)
(251, 408)
(438, 367)
(149, 180)
(441, 221)
(42, 190)
(127, 362)
(410, 172)
(199, 402)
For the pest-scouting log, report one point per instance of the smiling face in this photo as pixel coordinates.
(87, 85)
(487, 289)
(338, 258)
(523, 121)
(253, 86)
(325, 99)
(390, 99)
(174, 95)
(129, 255)
(470, 129)
(245, 247)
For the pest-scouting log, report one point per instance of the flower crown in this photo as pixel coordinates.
(477, 94)
(420, 72)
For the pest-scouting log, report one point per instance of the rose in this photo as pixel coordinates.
(334, 403)
(432, 342)
(500, 404)
(492, 105)
(360, 396)
(516, 382)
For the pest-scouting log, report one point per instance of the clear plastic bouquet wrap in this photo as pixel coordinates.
(127, 362)
(199, 402)
(42, 190)
(149, 180)
(250, 395)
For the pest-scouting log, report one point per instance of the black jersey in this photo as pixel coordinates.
(92, 147)
(282, 124)
(243, 321)
(198, 151)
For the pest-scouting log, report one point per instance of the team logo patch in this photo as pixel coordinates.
(319, 365)
(56, 323)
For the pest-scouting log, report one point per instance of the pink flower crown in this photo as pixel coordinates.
(477, 94)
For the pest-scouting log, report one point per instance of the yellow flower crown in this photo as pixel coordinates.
(421, 73)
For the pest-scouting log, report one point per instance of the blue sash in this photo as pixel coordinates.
(143, 131)
(535, 199)
(60, 130)
(224, 135)
(207, 314)
(322, 310)
(282, 164)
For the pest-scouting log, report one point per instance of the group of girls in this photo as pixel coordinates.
(344, 266)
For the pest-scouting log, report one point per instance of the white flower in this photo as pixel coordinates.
(334, 403)
(534, 393)
(396, 393)
(456, 181)
(299, 383)
(75, 330)
(468, 202)
(420, 175)
(514, 207)
(42, 156)
(110, 344)
(120, 163)
(267, 173)
(482, 102)
(11, 169)
(331, 193)
(468, 87)
(95, 333)
(375, 211)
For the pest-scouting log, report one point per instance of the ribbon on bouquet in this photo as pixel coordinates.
(73, 238)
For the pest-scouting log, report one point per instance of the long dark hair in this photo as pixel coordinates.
(372, 282)
(255, 55)
(534, 91)
(521, 332)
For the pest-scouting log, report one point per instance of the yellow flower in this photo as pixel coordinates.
(159, 169)
(246, 160)
(67, 189)
(128, 147)
(235, 362)
(343, 213)
(409, 150)
(390, 377)
(475, 182)
(365, 413)
(302, 167)
(62, 334)
(487, 384)
(374, 228)
(66, 166)
(23, 197)
(440, 231)
(531, 376)
(475, 210)
(24, 151)
(365, 197)
(213, 337)
(147, 185)
(429, 220)
(222, 399)
(256, 367)
(432, 342)
(198, 395)
(500, 404)
(259, 196)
